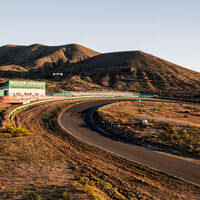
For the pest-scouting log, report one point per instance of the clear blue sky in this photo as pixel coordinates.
(168, 29)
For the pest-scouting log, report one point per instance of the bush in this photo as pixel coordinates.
(17, 132)
(5, 135)
(38, 197)
(84, 180)
(184, 131)
(190, 147)
(2, 113)
(91, 191)
(66, 195)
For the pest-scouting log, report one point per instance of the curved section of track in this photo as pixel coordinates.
(77, 122)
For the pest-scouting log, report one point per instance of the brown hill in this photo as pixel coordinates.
(85, 69)
(40, 56)
(136, 70)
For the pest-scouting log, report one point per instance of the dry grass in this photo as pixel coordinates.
(170, 125)
(51, 164)
(4, 109)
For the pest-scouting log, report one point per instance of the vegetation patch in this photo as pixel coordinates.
(14, 132)
(4, 108)
(8, 130)
(98, 189)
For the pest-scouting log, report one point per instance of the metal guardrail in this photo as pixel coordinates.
(61, 94)
(66, 98)
(76, 97)
(96, 93)
(43, 101)
(147, 95)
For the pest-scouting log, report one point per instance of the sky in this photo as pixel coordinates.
(167, 29)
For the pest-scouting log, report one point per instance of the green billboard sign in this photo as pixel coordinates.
(24, 84)
(1, 93)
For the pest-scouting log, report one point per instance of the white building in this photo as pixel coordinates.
(15, 88)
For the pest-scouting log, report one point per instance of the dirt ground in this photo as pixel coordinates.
(37, 161)
(50, 164)
(169, 125)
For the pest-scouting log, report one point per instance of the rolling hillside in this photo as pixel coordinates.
(135, 70)
(85, 69)
(23, 58)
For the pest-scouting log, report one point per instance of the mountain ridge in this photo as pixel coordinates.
(37, 55)
(135, 70)
(86, 69)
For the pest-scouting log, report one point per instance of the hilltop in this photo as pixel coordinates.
(86, 69)
(135, 70)
(23, 58)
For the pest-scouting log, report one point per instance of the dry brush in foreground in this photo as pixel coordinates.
(51, 164)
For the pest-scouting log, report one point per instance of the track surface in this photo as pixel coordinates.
(77, 121)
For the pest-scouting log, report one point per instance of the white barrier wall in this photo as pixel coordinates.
(15, 92)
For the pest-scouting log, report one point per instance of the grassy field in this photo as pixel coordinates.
(172, 126)
(50, 164)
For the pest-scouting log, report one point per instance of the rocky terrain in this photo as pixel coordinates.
(85, 69)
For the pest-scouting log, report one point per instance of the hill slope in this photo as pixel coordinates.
(40, 56)
(135, 70)
(85, 69)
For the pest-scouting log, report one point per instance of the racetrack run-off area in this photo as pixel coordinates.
(50, 163)
(77, 121)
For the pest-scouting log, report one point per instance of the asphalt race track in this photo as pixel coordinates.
(77, 121)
